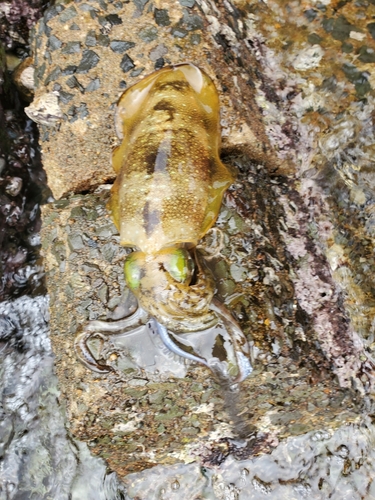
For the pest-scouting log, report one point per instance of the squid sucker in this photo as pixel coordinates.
(167, 194)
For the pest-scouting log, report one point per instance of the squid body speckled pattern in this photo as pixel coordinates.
(167, 195)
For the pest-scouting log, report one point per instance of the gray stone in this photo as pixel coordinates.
(89, 60)
(126, 63)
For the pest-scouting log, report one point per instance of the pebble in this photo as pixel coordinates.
(89, 60)
(126, 63)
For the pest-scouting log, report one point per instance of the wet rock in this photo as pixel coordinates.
(140, 4)
(24, 78)
(65, 97)
(179, 32)
(126, 63)
(121, 46)
(69, 70)
(159, 63)
(21, 187)
(53, 11)
(187, 3)
(54, 75)
(13, 186)
(367, 54)
(54, 43)
(91, 39)
(285, 246)
(45, 109)
(68, 14)
(148, 33)
(161, 17)
(158, 52)
(103, 40)
(89, 60)
(113, 19)
(93, 85)
(72, 48)
(278, 392)
(104, 55)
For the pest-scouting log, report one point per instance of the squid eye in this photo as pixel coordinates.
(180, 265)
(132, 270)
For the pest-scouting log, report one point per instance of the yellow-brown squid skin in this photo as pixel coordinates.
(169, 187)
(168, 191)
(170, 179)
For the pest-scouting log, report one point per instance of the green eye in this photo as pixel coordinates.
(180, 265)
(132, 270)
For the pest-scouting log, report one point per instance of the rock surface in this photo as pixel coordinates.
(315, 63)
(293, 270)
(86, 54)
(142, 415)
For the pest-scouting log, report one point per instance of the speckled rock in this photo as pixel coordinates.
(319, 118)
(138, 416)
(86, 54)
(289, 249)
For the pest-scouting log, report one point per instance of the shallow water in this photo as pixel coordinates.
(38, 458)
(41, 461)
